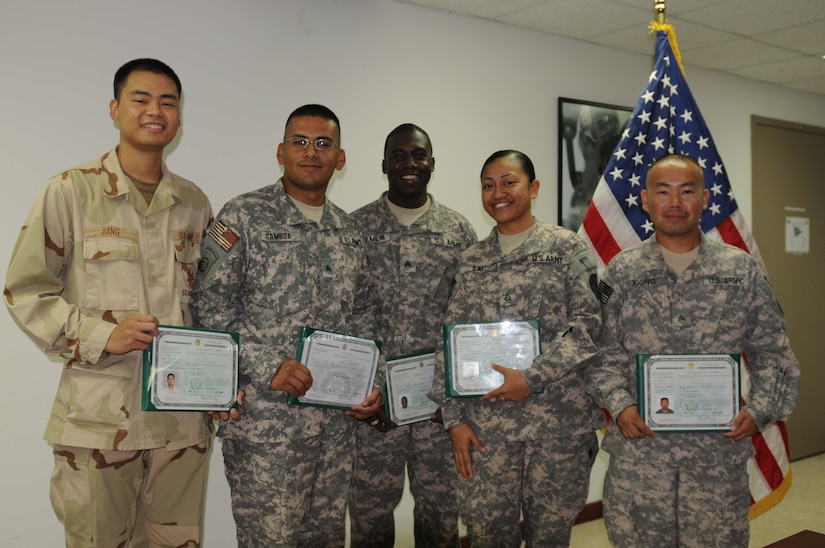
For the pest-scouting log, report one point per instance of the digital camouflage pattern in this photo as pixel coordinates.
(417, 264)
(280, 272)
(267, 271)
(646, 501)
(282, 472)
(722, 303)
(550, 278)
(107, 255)
(545, 481)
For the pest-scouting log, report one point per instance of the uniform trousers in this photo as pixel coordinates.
(151, 497)
(546, 479)
(378, 485)
(667, 505)
(291, 493)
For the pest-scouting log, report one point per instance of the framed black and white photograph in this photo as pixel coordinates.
(588, 134)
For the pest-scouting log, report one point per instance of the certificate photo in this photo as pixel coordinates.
(187, 369)
(409, 379)
(689, 393)
(471, 349)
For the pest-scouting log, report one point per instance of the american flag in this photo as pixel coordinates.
(667, 120)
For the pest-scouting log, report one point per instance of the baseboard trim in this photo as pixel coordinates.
(590, 512)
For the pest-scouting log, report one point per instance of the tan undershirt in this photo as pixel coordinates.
(147, 190)
(508, 242)
(313, 213)
(679, 262)
(407, 216)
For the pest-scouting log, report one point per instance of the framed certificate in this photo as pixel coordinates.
(688, 393)
(188, 369)
(470, 350)
(409, 380)
(343, 368)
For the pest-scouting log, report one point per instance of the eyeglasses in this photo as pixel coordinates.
(321, 143)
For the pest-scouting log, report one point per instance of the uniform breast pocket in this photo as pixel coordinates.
(186, 265)
(112, 273)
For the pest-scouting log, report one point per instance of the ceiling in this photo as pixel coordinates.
(778, 41)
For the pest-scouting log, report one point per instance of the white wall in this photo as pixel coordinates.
(476, 87)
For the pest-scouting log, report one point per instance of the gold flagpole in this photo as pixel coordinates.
(659, 7)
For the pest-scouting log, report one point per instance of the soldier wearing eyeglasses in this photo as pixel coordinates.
(276, 259)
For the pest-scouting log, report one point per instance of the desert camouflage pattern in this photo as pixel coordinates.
(266, 272)
(418, 265)
(107, 255)
(164, 513)
(550, 278)
(722, 303)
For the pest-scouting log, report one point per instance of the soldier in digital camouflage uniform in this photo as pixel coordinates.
(108, 252)
(681, 293)
(529, 444)
(277, 259)
(414, 242)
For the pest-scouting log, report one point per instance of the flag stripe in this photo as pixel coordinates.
(730, 234)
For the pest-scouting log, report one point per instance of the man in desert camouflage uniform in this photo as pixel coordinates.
(528, 445)
(277, 259)
(698, 296)
(414, 243)
(108, 252)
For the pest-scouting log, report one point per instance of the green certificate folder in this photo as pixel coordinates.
(470, 350)
(343, 368)
(189, 369)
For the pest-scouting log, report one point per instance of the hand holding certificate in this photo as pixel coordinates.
(688, 393)
(187, 369)
(343, 368)
(470, 350)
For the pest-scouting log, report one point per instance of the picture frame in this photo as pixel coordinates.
(588, 135)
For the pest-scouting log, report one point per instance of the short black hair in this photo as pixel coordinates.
(149, 65)
(319, 111)
(524, 161)
(402, 129)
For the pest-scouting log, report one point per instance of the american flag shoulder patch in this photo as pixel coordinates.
(222, 235)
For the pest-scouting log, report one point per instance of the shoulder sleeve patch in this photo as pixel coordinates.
(219, 240)
(223, 236)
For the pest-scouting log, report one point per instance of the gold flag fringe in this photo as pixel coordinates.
(772, 499)
(671, 37)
